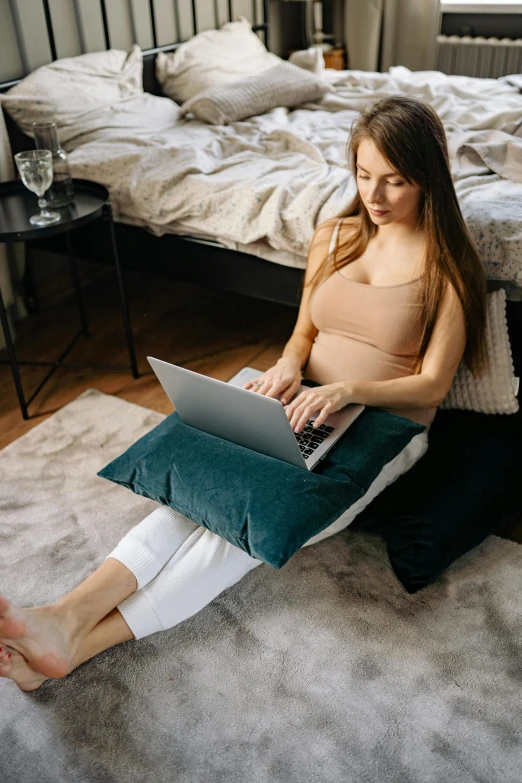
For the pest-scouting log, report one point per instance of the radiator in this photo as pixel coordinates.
(487, 57)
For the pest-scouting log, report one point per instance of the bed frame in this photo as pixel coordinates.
(180, 257)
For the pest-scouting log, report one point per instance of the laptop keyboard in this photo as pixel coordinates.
(310, 438)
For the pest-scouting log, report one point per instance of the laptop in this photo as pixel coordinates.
(247, 418)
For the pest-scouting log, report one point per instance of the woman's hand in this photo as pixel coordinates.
(322, 400)
(284, 379)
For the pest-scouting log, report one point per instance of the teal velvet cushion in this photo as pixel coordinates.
(265, 506)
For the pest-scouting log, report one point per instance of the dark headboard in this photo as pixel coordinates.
(150, 83)
(19, 141)
(258, 8)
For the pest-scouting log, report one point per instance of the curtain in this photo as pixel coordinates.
(12, 255)
(381, 33)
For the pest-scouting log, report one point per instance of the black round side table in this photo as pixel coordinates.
(91, 201)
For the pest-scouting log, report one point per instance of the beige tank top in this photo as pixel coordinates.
(365, 333)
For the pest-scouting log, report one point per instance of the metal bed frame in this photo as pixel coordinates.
(180, 257)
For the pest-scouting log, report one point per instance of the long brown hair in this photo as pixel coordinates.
(410, 136)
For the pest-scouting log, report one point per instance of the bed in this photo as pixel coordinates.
(235, 206)
(184, 257)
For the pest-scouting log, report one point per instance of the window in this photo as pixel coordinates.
(481, 6)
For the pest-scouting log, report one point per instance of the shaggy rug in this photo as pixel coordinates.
(325, 670)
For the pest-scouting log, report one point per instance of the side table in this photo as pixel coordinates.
(91, 201)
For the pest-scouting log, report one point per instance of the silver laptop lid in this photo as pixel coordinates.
(252, 420)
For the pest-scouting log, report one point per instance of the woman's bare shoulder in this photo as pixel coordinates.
(349, 226)
(324, 230)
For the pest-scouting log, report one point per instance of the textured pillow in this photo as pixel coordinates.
(283, 85)
(260, 504)
(465, 487)
(66, 89)
(496, 390)
(212, 58)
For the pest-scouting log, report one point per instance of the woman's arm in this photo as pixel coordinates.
(303, 336)
(284, 378)
(412, 391)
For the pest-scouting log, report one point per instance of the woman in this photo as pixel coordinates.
(394, 297)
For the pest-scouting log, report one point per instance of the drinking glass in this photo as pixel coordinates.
(36, 171)
(61, 192)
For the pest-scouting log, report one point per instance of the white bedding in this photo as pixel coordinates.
(262, 185)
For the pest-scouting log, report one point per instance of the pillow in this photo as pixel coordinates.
(283, 85)
(496, 391)
(212, 58)
(66, 89)
(465, 487)
(260, 504)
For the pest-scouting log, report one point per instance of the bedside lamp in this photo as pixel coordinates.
(314, 21)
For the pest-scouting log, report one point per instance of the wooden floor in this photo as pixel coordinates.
(207, 331)
(204, 330)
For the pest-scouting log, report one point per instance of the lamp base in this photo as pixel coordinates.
(324, 46)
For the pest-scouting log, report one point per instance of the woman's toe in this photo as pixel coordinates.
(5, 665)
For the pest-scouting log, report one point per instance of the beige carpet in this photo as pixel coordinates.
(325, 670)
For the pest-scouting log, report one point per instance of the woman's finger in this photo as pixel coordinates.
(306, 416)
(323, 415)
(288, 393)
(254, 383)
(262, 385)
(303, 411)
(276, 388)
(292, 406)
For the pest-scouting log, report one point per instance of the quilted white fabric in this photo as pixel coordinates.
(495, 391)
(263, 184)
(283, 85)
(213, 58)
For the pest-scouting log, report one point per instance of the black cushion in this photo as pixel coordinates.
(467, 485)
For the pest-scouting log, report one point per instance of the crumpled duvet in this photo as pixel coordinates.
(262, 185)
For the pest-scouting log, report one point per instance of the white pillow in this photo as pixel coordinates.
(496, 390)
(212, 58)
(66, 89)
(283, 85)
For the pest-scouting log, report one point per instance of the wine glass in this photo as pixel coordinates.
(36, 171)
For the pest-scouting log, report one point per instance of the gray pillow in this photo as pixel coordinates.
(283, 85)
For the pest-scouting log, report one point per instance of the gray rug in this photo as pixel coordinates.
(325, 670)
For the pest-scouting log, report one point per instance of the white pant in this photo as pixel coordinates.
(180, 566)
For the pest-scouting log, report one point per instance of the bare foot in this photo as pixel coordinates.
(15, 667)
(40, 635)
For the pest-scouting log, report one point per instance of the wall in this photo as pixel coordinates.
(409, 34)
(78, 27)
